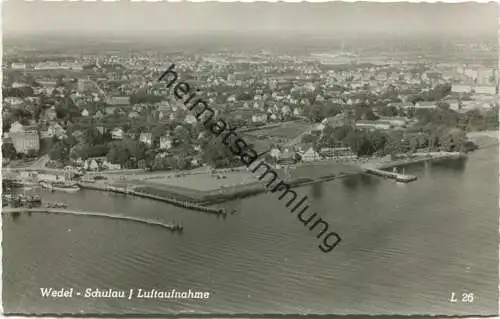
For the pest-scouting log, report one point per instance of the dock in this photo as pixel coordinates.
(404, 178)
(172, 227)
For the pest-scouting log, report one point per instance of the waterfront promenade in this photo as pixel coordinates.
(172, 227)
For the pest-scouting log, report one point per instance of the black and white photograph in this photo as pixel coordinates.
(250, 159)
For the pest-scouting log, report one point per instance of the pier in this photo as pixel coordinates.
(173, 201)
(171, 227)
(392, 175)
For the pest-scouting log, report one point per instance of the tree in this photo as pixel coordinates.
(443, 105)
(453, 140)
(6, 122)
(67, 110)
(389, 111)
(181, 133)
(59, 152)
(8, 151)
(360, 143)
(378, 140)
(141, 164)
(32, 153)
(182, 162)
(216, 154)
(118, 153)
(309, 138)
(313, 112)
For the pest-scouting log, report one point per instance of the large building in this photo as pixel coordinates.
(461, 88)
(24, 140)
(118, 100)
(18, 66)
(485, 89)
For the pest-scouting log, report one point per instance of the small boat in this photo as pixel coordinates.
(56, 205)
(61, 205)
(61, 186)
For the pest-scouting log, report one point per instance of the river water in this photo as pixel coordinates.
(405, 249)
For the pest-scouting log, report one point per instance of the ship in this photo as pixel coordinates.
(61, 186)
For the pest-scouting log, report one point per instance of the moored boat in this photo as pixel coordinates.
(61, 186)
(56, 205)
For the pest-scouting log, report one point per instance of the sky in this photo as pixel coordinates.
(21, 16)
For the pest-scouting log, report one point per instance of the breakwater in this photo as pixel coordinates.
(173, 201)
(398, 177)
(172, 227)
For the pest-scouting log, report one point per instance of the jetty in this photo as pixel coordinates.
(173, 201)
(404, 178)
(172, 227)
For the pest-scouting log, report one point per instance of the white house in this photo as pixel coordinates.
(461, 88)
(335, 121)
(56, 130)
(380, 125)
(50, 114)
(395, 121)
(426, 105)
(146, 138)
(109, 165)
(337, 152)
(275, 152)
(454, 105)
(310, 155)
(98, 115)
(285, 110)
(190, 119)
(117, 134)
(166, 142)
(85, 112)
(133, 115)
(259, 118)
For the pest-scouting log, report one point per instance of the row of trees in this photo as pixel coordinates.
(380, 143)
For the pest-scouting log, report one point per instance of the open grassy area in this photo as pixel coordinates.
(206, 188)
(288, 130)
(205, 182)
(202, 197)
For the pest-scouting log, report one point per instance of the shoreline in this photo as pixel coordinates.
(419, 158)
(202, 200)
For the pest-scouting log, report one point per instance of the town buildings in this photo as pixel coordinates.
(24, 139)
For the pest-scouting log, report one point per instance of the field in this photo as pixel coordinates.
(205, 182)
(205, 188)
(288, 130)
